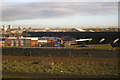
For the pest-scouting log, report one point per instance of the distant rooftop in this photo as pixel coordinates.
(48, 38)
(35, 38)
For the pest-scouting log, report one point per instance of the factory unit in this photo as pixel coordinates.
(49, 42)
(33, 41)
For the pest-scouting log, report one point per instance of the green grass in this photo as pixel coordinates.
(93, 47)
(12, 76)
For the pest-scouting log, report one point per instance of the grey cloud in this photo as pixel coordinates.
(41, 10)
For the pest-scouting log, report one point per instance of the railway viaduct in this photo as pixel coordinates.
(97, 37)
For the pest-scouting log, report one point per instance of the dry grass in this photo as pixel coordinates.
(63, 66)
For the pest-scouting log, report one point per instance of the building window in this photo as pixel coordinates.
(47, 44)
(8, 42)
(34, 44)
(18, 43)
(22, 42)
(27, 42)
(13, 43)
(56, 43)
(51, 44)
(42, 44)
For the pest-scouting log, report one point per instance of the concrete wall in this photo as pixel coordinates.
(54, 52)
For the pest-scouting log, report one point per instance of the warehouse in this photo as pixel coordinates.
(49, 42)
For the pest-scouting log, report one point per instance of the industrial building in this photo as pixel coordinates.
(33, 41)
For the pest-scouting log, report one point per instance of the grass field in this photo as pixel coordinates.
(17, 66)
(61, 67)
(93, 47)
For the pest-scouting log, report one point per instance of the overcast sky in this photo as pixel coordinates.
(63, 14)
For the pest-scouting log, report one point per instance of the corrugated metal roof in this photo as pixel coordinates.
(32, 38)
(48, 38)
(83, 40)
(35, 38)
